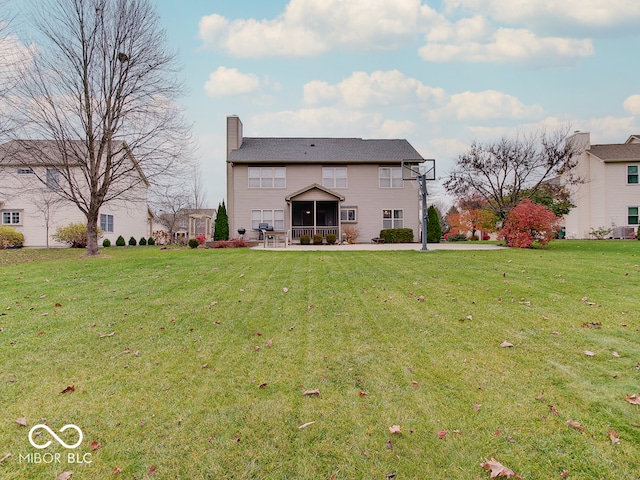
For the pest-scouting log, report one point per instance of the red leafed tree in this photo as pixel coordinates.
(529, 222)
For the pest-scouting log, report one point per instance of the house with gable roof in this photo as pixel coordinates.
(610, 195)
(307, 186)
(30, 175)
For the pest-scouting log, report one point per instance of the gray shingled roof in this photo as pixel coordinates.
(322, 150)
(617, 152)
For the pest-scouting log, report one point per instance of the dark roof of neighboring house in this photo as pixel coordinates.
(616, 152)
(322, 150)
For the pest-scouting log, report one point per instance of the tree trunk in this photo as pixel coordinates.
(92, 233)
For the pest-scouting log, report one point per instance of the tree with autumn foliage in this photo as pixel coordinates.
(506, 171)
(529, 222)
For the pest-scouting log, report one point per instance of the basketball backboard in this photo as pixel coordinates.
(412, 168)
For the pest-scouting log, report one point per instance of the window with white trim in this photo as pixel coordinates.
(274, 218)
(632, 174)
(349, 214)
(53, 178)
(11, 217)
(106, 223)
(632, 216)
(267, 177)
(390, 177)
(334, 177)
(392, 218)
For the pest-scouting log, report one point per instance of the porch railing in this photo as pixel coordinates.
(296, 232)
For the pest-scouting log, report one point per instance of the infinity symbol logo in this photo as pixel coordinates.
(58, 439)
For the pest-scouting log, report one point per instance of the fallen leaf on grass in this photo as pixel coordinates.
(633, 399)
(269, 342)
(362, 394)
(591, 325)
(589, 353)
(576, 425)
(616, 354)
(506, 344)
(103, 335)
(152, 470)
(564, 474)
(391, 475)
(421, 298)
(311, 392)
(305, 425)
(442, 434)
(94, 445)
(553, 410)
(476, 407)
(70, 388)
(64, 476)
(613, 435)
(263, 385)
(117, 470)
(285, 289)
(22, 421)
(497, 469)
(389, 444)
(395, 429)
(6, 457)
(415, 384)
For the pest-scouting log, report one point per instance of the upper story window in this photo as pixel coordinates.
(267, 177)
(53, 178)
(390, 177)
(632, 174)
(334, 177)
(11, 217)
(25, 171)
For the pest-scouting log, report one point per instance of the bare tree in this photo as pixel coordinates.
(102, 90)
(507, 171)
(170, 203)
(197, 190)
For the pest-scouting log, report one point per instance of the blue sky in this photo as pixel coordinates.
(438, 73)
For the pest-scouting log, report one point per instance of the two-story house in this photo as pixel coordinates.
(610, 194)
(318, 185)
(30, 202)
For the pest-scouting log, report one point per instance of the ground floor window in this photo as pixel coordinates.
(392, 219)
(632, 216)
(348, 214)
(11, 217)
(274, 218)
(106, 223)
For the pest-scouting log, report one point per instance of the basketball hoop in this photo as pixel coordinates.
(421, 171)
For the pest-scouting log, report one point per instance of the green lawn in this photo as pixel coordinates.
(212, 350)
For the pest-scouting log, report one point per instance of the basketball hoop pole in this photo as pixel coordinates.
(421, 178)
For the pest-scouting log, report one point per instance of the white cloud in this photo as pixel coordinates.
(632, 104)
(486, 105)
(504, 45)
(591, 13)
(386, 88)
(310, 27)
(230, 82)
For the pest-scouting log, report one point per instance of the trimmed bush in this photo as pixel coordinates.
(132, 242)
(397, 235)
(331, 238)
(10, 238)
(193, 243)
(74, 234)
(305, 239)
(151, 241)
(120, 241)
(143, 241)
(317, 239)
(456, 237)
(106, 243)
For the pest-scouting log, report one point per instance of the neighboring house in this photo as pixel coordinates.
(610, 196)
(34, 207)
(318, 185)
